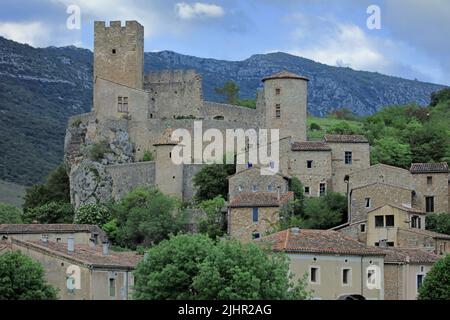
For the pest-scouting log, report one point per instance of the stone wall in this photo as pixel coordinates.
(438, 189)
(126, 177)
(242, 227)
(189, 172)
(393, 281)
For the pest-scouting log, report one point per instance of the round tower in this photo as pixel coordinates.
(286, 98)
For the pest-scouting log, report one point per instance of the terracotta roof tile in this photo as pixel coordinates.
(441, 167)
(285, 75)
(49, 228)
(342, 138)
(84, 254)
(408, 255)
(260, 199)
(310, 146)
(318, 241)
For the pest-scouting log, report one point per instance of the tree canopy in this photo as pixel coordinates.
(212, 181)
(436, 285)
(9, 214)
(23, 279)
(195, 267)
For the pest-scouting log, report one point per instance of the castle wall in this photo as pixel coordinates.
(189, 172)
(126, 177)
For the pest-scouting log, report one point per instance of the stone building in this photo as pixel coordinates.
(335, 265)
(252, 215)
(131, 111)
(76, 259)
(404, 272)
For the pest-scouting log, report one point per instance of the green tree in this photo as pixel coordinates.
(9, 214)
(52, 212)
(214, 224)
(195, 267)
(96, 214)
(289, 217)
(344, 128)
(212, 181)
(430, 143)
(440, 96)
(436, 285)
(23, 279)
(146, 216)
(438, 222)
(324, 212)
(230, 91)
(55, 189)
(390, 151)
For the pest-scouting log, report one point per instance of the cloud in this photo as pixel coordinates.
(190, 11)
(32, 33)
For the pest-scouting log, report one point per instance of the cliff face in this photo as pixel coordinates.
(41, 88)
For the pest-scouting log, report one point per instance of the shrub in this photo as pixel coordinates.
(96, 214)
(148, 156)
(52, 212)
(315, 127)
(436, 285)
(9, 214)
(99, 149)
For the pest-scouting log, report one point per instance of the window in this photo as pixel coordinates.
(255, 215)
(58, 240)
(322, 189)
(249, 165)
(122, 104)
(277, 91)
(309, 164)
(416, 222)
(307, 191)
(368, 203)
(255, 235)
(390, 244)
(346, 276)
(278, 111)
(371, 277)
(240, 188)
(429, 203)
(389, 221)
(379, 221)
(314, 276)
(114, 51)
(112, 287)
(429, 181)
(254, 188)
(270, 188)
(362, 227)
(348, 157)
(419, 281)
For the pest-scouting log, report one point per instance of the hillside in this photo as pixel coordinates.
(41, 88)
(12, 193)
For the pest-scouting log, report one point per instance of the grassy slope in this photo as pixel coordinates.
(11, 193)
(325, 124)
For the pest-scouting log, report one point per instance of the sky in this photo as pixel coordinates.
(410, 41)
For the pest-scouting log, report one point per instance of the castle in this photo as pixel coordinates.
(134, 114)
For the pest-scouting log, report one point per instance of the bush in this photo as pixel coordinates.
(324, 212)
(315, 127)
(344, 128)
(111, 228)
(436, 285)
(23, 279)
(214, 224)
(52, 212)
(212, 181)
(9, 214)
(146, 216)
(438, 222)
(194, 267)
(96, 214)
(99, 149)
(148, 156)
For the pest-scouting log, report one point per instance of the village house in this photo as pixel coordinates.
(335, 265)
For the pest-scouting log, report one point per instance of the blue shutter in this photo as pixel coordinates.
(255, 215)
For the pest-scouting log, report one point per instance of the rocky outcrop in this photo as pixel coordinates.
(89, 184)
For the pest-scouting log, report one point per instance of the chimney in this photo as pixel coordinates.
(383, 243)
(295, 230)
(105, 250)
(70, 244)
(44, 238)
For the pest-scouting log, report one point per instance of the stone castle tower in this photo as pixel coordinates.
(286, 102)
(119, 53)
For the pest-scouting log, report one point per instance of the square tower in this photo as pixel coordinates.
(119, 53)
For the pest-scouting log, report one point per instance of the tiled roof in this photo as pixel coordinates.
(4, 245)
(441, 167)
(285, 75)
(260, 199)
(166, 138)
(42, 228)
(342, 138)
(428, 233)
(310, 146)
(318, 241)
(257, 167)
(84, 254)
(408, 255)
